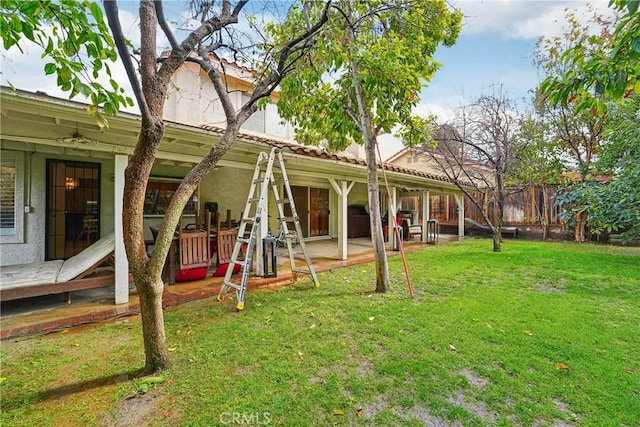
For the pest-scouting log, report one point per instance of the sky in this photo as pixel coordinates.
(495, 47)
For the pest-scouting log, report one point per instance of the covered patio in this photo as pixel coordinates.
(56, 149)
(51, 313)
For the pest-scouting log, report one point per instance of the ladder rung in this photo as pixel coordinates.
(254, 199)
(288, 218)
(232, 285)
(283, 201)
(278, 181)
(243, 240)
(259, 180)
(249, 219)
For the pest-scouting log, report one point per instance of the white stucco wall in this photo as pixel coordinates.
(193, 100)
(228, 187)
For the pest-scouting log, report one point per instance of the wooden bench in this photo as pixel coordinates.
(58, 276)
(509, 231)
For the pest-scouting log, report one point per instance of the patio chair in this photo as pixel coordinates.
(226, 241)
(194, 253)
(411, 225)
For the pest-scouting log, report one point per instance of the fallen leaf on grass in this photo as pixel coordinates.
(2, 379)
(338, 412)
(152, 380)
(488, 325)
(169, 414)
(562, 366)
(359, 412)
(629, 371)
(172, 348)
(312, 326)
(528, 333)
(372, 318)
(452, 348)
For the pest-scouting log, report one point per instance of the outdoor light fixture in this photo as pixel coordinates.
(269, 253)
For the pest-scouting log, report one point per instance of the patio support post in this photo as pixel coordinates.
(343, 191)
(460, 202)
(426, 208)
(392, 216)
(121, 261)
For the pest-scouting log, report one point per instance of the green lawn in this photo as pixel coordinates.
(540, 334)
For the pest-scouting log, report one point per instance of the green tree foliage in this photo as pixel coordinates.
(613, 206)
(77, 41)
(539, 162)
(601, 66)
(571, 126)
(599, 76)
(394, 46)
(364, 77)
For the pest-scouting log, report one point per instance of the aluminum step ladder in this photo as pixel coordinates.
(263, 175)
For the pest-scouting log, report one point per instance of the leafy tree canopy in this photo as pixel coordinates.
(76, 39)
(600, 66)
(394, 46)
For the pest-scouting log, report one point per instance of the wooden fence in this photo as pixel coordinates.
(523, 206)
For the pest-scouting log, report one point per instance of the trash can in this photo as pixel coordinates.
(396, 243)
(269, 256)
(433, 231)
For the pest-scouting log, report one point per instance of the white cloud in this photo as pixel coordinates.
(444, 112)
(517, 19)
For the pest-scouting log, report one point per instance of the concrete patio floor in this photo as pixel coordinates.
(51, 313)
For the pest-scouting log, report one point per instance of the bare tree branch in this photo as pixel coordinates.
(111, 10)
(164, 25)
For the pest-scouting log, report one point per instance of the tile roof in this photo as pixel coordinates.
(318, 152)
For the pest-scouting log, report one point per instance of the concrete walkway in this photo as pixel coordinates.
(51, 313)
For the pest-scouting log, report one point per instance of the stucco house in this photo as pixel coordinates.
(63, 176)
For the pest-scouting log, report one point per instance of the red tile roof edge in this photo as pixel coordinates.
(310, 151)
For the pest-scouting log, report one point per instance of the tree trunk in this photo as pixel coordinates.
(547, 213)
(499, 193)
(497, 239)
(369, 141)
(147, 272)
(377, 238)
(150, 289)
(579, 231)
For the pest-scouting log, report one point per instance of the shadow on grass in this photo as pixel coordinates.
(36, 396)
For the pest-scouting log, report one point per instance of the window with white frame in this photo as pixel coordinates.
(256, 121)
(11, 197)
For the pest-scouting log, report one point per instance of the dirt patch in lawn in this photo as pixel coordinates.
(136, 410)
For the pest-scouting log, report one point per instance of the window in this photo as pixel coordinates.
(11, 197)
(256, 121)
(8, 197)
(159, 194)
